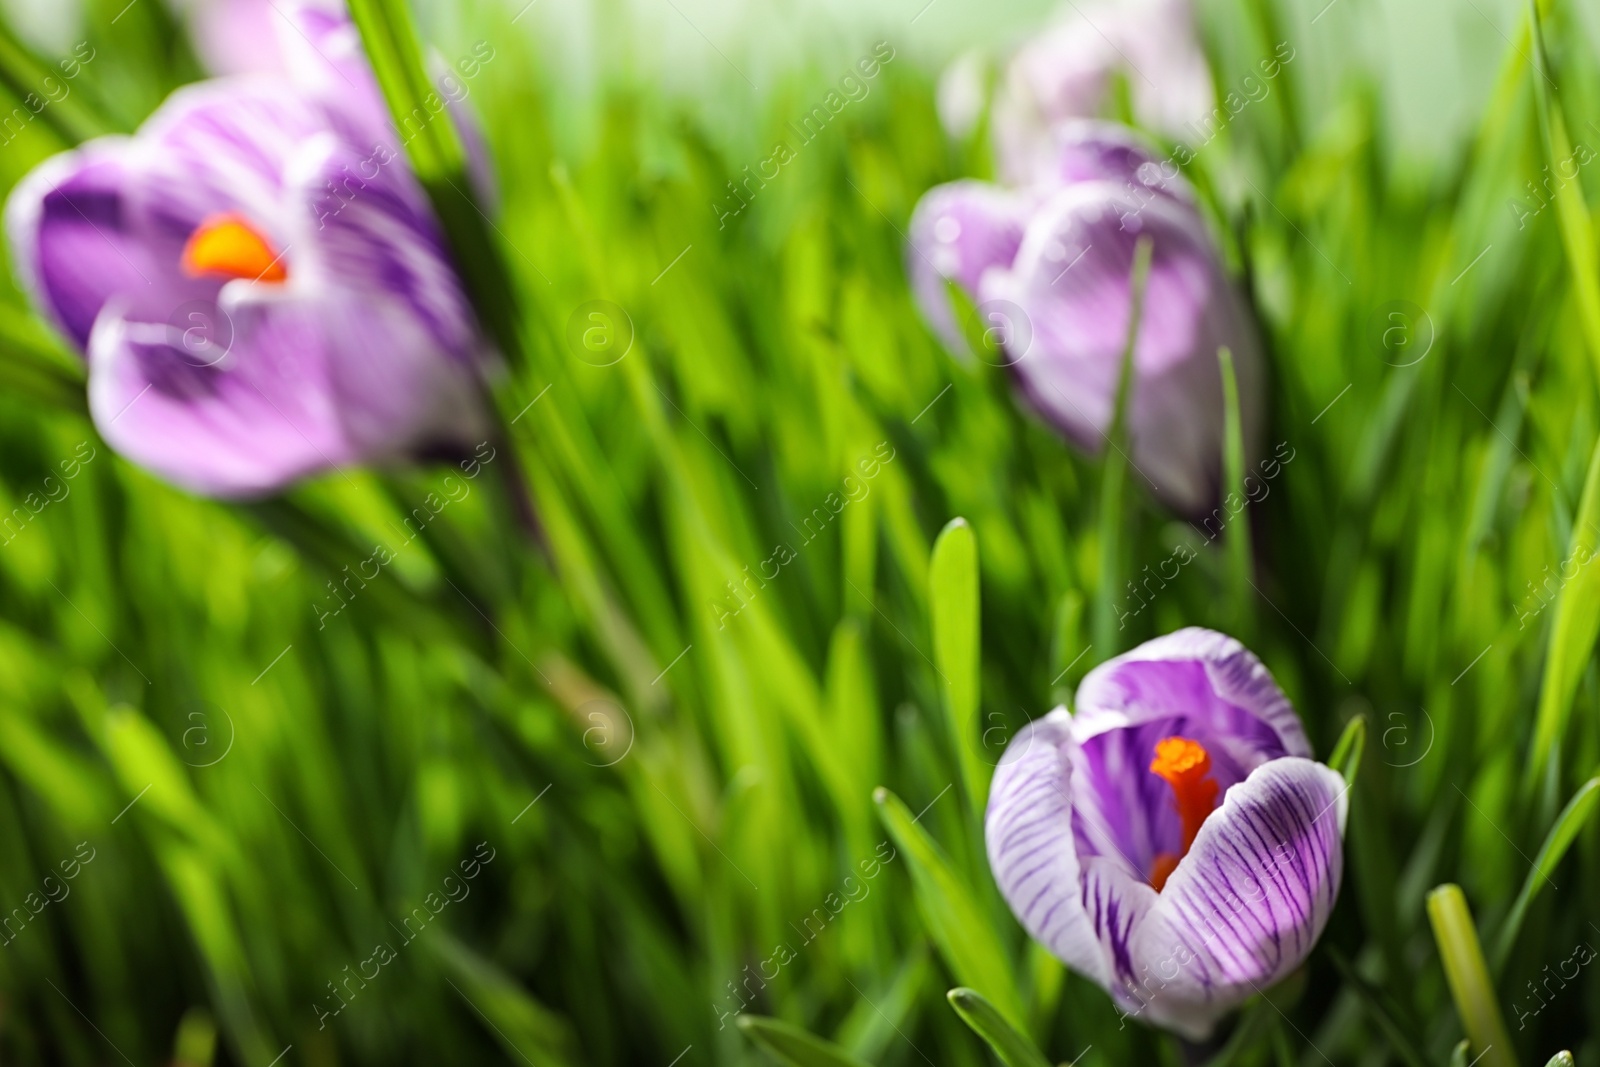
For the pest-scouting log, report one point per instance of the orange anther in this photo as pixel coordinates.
(229, 246)
(1185, 765)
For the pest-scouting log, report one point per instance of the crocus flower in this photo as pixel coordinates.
(1067, 72)
(1172, 839)
(243, 36)
(1050, 265)
(257, 282)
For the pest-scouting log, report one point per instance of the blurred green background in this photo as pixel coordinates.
(653, 790)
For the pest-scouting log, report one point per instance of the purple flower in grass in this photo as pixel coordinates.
(1057, 257)
(1172, 839)
(1069, 68)
(258, 284)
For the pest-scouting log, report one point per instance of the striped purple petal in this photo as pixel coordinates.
(1200, 674)
(1028, 829)
(1249, 901)
(303, 387)
(77, 241)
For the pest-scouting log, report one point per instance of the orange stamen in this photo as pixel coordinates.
(1185, 765)
(229, 246)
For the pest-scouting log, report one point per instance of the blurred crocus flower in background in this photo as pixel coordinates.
(257, 280)
(1050, 265)
(243, 36)
(1068, 71)
(1172, 839)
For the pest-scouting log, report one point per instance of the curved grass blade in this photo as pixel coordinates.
(1556, 842)
(1013, 1048)
(794, 1046)
(1560, 1059)
(969, 943)
(1346, 757)
(1576, 625)
(953, 605)
(1240, 565)
(1115, 474)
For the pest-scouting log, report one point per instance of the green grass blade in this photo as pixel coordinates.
(954, 607)
(1468, 976)
(1573, 817)
(1572, 214)
(1346, 758)
(1382, 1012)
(1576, 625)
(1560, 1059)
(1256, 1021)
(27, 79)
(522, 1024)
(794, 1046)
(969, 943)
(1013, 1048)
(1240, 565)
(1113, 536)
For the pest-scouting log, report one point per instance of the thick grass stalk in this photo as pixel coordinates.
(1112, 511)
(953, 604)
(1468, 976)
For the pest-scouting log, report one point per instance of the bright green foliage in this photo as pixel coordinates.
(603, 794)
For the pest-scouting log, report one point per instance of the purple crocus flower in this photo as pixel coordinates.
(1052, 261)
(1172, 839)
(257, 281)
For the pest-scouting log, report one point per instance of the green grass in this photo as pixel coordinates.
(675, 775)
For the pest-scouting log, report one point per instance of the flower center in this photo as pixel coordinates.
(229, 246)
(1185, 765)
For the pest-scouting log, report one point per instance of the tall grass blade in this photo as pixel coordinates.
(1346, 757)
(1240, 565)
(1573, 818)
(1114, 475)
(954, 607)
(794, 1046)
(1577, 229)
(1576, 625)
(962, 932)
